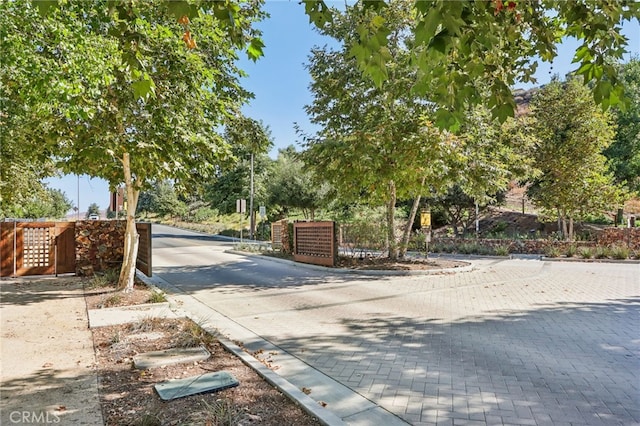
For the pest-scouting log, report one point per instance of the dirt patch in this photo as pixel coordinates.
(383, 263)
(127, 395)
(108, 297)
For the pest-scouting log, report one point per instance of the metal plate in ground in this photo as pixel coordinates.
(209, 382)
(169, 356)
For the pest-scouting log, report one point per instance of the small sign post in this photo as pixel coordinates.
(425, 224)
(241, 207)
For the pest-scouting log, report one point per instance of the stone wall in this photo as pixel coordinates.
(99, 245)
(286, 234)
(627, 237)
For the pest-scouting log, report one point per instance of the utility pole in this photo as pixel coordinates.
(252, 219)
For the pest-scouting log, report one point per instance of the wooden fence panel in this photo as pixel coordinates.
(143, 262)
(315, 242)
(65, 234)
(276, 235)
(6, 248)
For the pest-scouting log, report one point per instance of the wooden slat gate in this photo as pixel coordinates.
(143, 262)
(48, 248)
(315, 242)
(37, 248)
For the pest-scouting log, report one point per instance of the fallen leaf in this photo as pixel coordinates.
(306, 391)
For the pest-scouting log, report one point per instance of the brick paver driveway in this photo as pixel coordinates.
(513, 342)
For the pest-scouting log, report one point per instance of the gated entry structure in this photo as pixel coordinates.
(37, 248)
(51, 248)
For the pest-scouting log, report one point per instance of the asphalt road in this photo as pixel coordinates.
(523, 342)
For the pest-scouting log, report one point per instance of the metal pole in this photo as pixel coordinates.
(477, 221)
(252, 223)
(78, 213)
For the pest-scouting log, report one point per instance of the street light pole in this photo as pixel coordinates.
(78, 213)
(252, 222)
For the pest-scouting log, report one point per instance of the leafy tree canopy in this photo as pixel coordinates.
(92, 209)
(120, 90)
(571, 134)
(46, 204)
(291, 185)
(624, 152)
(461, 47)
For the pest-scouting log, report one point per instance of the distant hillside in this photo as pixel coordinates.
(523, 99)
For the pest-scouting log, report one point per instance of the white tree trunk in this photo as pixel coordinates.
(571, 229)
(131, 237)
(391, 231)
(412, 217)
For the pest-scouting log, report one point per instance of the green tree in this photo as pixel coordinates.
(233, 181)
(491, 155)
(92, 209)
(457, 44)
(461, 48)
(291, 186)
(48, 204)
(375, 145)
(571, 133)
(256, 137)
(119, 95)
(624, 152)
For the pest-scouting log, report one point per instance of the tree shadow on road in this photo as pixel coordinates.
(559, 362)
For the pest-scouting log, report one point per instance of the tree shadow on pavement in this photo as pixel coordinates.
(50, 396)
(556, 363)
(33, 290)
(250, 275)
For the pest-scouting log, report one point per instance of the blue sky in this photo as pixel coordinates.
(280, 84)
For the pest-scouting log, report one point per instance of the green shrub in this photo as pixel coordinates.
(106, 278)
(157, 297)
(499, 227)
(586, 252)
(601, 252)
(221, 412)
(484, 250)
(192, 335)
(620, 252)
(571, 251)
(467, 248)
(502, 250)
(418, 241)
(436, 248)
(204, 213)
(552, 251)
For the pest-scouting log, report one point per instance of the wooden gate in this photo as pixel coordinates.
(37, 248)
(315, 242)
(143, 262)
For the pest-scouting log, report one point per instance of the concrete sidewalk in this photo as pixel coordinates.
(47, 357)
(329, 401)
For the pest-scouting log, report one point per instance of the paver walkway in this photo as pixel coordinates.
(517, 342)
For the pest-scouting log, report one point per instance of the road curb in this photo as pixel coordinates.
(468, 268)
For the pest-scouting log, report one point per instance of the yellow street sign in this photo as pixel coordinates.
(425, 219)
